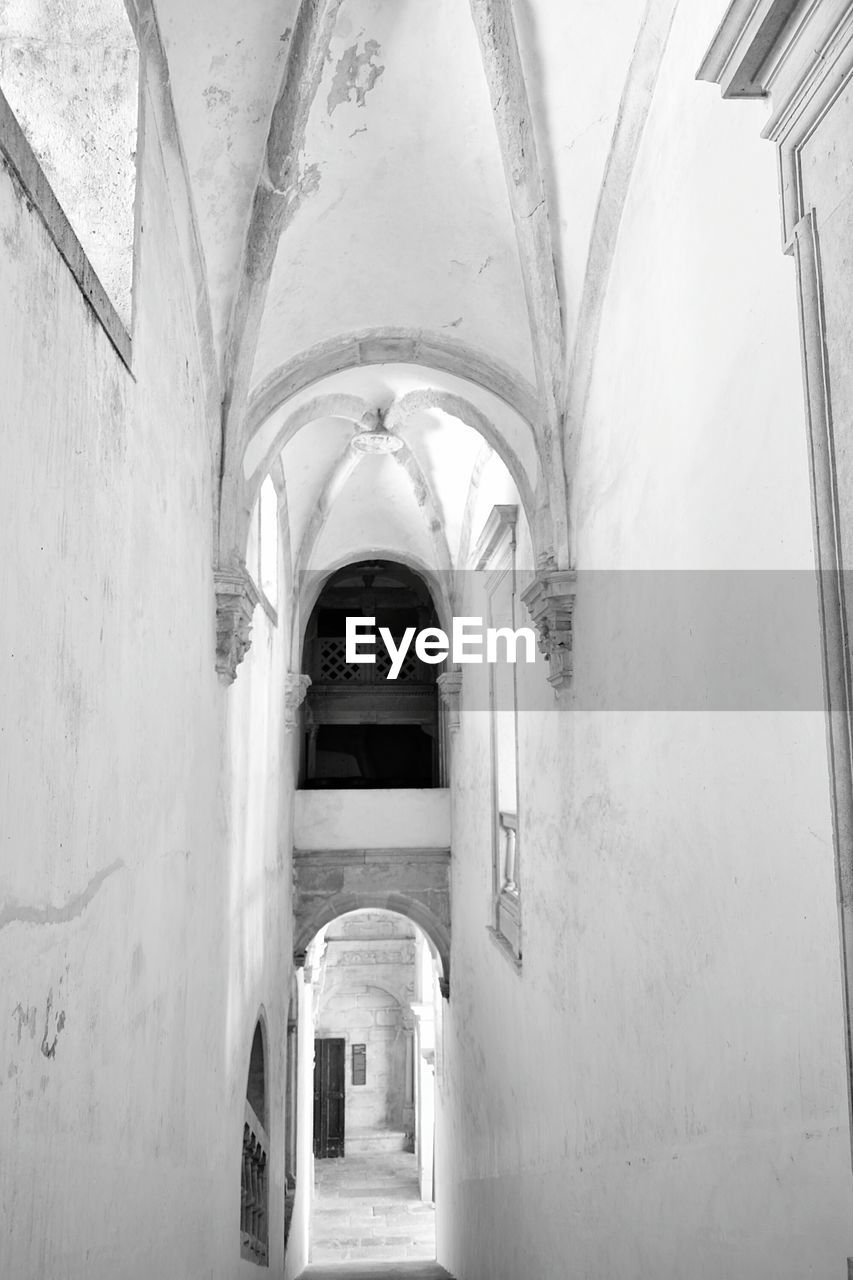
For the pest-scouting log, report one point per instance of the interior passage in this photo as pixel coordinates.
(368, 1207)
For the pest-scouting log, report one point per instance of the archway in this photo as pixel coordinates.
(374, 980)
(360, 728)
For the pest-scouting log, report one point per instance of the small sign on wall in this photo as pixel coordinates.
(359, 1064)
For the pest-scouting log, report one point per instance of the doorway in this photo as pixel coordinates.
(329, 1101)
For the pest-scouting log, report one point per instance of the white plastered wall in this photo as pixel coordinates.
(661, 1090)
(143, 901)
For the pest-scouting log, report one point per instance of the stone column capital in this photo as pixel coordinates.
(450, 691)
(236, 597)
(550, 601)
(296, 687)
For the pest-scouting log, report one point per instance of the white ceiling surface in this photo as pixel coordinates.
(446, 450)
(575, 59)
(308, 461)
(226, 61)
(405, 224)
(410, 223)
(376, 512)
(376, 508)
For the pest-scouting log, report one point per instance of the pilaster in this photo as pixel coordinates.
(450, 691)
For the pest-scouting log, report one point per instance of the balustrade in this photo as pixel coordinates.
(254, 1225)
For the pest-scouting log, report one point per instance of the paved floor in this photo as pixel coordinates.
(366, 1209)
(377, 1271)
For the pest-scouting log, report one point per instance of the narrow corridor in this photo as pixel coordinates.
(367, 1208)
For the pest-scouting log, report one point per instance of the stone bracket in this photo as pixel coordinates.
(450, 691)
(236, 597)
(295, 689)
(550, 600)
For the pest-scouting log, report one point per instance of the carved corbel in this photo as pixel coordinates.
(550, 600)
(450, 691)
(236, 597)
(295, 689)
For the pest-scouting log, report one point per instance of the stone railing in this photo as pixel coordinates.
(254, 1224)
(509, 853)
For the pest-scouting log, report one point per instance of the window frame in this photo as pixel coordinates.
(496, 555)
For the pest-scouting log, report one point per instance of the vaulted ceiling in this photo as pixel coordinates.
(411, 189)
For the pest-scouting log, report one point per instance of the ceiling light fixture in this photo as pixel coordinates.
(374, 437)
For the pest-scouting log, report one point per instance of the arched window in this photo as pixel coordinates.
(254, 1182)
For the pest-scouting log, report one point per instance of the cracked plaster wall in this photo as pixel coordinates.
(137, 881)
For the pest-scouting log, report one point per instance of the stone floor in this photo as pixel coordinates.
(367, 1208)
(377, 1271)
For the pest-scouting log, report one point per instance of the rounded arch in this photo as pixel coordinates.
(310, 588)
(250, 457)
(331, 404)
(257, 459)
(390, 346)
(461, 408)
(341, 904)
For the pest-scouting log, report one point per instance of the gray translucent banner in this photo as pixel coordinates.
(642, 640)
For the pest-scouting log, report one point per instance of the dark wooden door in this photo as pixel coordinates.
(329, 1064)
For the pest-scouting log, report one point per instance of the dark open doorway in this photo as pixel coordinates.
(329, 1117)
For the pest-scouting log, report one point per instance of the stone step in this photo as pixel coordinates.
(401, 1270)
(369, 1141)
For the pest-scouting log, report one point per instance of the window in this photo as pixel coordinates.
(496, 555)
(504, 713)
(70, 76)
(262, 546)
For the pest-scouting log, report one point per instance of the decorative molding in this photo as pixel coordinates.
(804, 69)
(742, 45)
(450, 691)
(236, 597)
(799, 53)
(550, 600)
(498, 532)
(374, 956)
(379, 346)
(296, 687)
